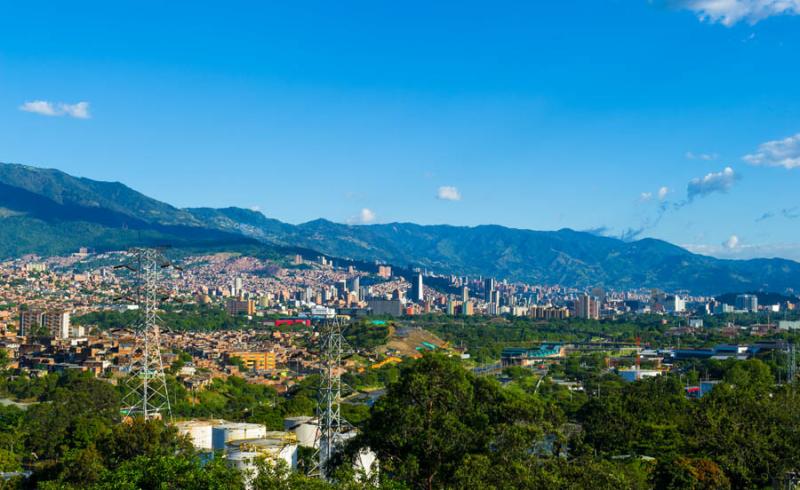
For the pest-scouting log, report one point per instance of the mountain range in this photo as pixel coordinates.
(47, 212)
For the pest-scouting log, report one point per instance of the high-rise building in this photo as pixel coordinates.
(355, 287)
(236, 307)
(675, 304)
(488, 288)
(747, 302)
(341, 287)
(50, 323)
(587, 307)
(417, 290)
(392, 307)
(384, 271)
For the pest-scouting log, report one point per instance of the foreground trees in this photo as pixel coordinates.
(439, 426)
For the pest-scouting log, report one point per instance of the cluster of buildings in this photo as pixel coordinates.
(41, 298)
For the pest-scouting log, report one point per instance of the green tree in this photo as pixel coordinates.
(142, 437)
(437, 414)
(170, 472)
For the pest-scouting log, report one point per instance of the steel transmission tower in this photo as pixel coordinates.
(331, 426)
(146, 394)
(791, 363)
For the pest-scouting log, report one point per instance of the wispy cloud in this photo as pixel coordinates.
(701, 156)
(731, 12)
(788, 213)
(599, 230)
(698, 187)
(765, 216)
(365, 217)
(777, 153)
(448, 193)
(78, 110)
(630, 234)
(712, 182)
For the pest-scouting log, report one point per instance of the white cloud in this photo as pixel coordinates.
(79, 110)
(712, 182)
(701, 156)
(448, 193)
(778, 153)
(661, 194)
(365, 217)
(731, 243)
(730, 12)
(39, 107)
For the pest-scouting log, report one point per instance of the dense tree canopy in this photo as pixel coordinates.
(437, 426)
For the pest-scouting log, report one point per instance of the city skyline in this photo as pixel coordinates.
(644, 119)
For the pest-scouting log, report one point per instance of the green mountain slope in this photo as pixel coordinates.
(69, 192)
(565, 257)
(49, 212)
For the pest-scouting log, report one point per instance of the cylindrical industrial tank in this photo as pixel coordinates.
(234, 431)
(305, 428)
(199, 432)
(244, 461)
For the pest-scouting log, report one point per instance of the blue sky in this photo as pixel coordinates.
(668, 119)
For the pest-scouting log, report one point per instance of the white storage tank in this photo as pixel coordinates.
(305, 428)
(199, 432)
(245, 462)
(233, 431)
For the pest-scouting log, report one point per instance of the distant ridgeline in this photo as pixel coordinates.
(48, 212)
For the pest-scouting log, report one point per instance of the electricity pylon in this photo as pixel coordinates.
(146, 391)
(330, 424)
